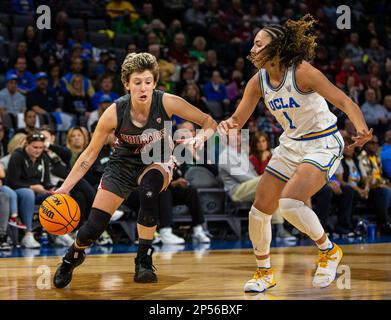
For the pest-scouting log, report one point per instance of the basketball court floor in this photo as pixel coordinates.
(197, 272)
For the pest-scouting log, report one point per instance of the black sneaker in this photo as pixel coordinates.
(144, 269)
(4, 245)
(63, 275)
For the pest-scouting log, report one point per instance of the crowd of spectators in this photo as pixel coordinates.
(64, 78)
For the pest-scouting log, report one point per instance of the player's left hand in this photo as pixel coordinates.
(195, 142)
(361, 138)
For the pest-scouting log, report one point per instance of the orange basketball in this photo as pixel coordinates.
(59, 214)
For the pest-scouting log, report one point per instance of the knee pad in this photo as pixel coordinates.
(149, 189)
(89, 232)
(302, 217)
(260, 231)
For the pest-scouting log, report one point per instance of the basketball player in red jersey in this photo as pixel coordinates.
(130, 117)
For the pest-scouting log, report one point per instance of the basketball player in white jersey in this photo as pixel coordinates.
(310, 149)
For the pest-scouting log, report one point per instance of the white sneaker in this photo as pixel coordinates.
(262, 280)
(104, 239)
(117, 215)
(28, 241)
(156, 238)
(199, 235)
(169, 238)
(327, 266)
(63, 241)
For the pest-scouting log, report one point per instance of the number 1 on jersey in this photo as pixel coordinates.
(291, 126)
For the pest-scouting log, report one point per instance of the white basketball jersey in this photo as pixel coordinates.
(302, 115)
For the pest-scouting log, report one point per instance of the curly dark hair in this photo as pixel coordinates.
(292, 42)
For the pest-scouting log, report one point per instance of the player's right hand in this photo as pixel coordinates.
(226, 125)
(60, 190)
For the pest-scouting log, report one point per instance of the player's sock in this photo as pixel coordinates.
(265, 263)
(325, 245)
(143, 246)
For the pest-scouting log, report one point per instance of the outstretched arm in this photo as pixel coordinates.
(309, 78)
(251, 96)
(106, 124)
(180, 107)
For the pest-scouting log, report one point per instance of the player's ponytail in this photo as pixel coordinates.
(292, 43)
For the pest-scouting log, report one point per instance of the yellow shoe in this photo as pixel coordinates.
(328, 262)
(262, 280)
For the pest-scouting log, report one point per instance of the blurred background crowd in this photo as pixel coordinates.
(55, 84)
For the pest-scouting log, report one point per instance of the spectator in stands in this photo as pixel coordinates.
(260, 151)
(322, 62)
(174, 28)
(3, 142)
(79, 37)
(166, 69)
(379, 190)
(268, 18)
(104, 102)
(354, 51)
(21, 52)
(375, 84)
(191, 93)
(54, 81)
(12, 200)
(375, 114)
(241, 180)
(4, 215)
(30, 36)
(200, 157)
(194, 17)
(77, 70)
(178, 53)
(11, 101)
(235, 88)
(76, 101)
(30, 122)
(198, 51)
(375, 52)
(106, 87)
(385, 155)
(111, 68)
(211, 63)
(41, 100)
(25, 80)
(22, 6)
(28, 175)
(234, 13)
(347, 69)
(17, 141)
(187, 77)
(77, 141)
(215, 91)
(117, 8)
(386, 90)
(241, 65)
(387, 105)
(353, 91)
(269, 125)
(214, 12)
(58, 47)
(342, 190)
